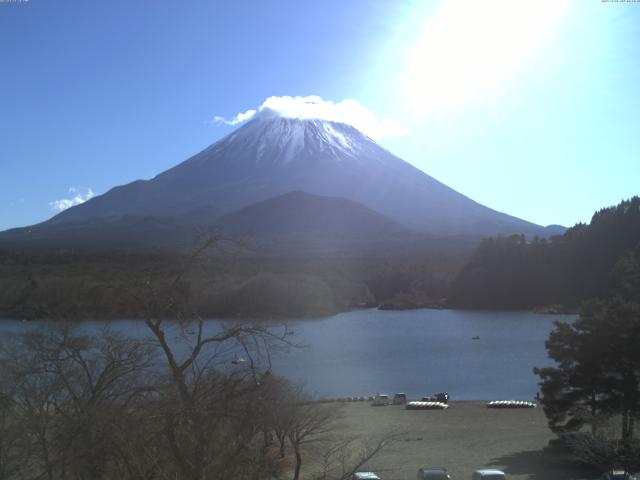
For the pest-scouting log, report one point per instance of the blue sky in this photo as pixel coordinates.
(532, 111)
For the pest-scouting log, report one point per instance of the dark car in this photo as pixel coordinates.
(433, 473)
(442, 397)
(400, 399)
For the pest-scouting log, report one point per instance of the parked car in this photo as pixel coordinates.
(488, 474)
(381, 399)
(400, 399)
(442, 397)
(433, 473)
(365, 476)
(620, 475)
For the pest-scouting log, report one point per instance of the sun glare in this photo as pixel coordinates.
(467, 49)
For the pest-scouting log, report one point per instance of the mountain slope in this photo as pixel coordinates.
(296, 224)
(117, 233)
(299, 214)
(273, 155)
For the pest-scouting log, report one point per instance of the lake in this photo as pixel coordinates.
(418, 352)
(422, 351)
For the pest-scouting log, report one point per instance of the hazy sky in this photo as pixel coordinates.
(531, 108)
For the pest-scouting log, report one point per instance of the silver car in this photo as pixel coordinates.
(365, 476)
(488, 474)
(433, 473)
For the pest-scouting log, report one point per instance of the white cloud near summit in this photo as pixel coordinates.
(239, 118)
(314, 107)
(76, 199)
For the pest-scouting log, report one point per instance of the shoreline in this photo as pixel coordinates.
(6, 316)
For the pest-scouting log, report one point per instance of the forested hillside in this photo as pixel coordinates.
(83, 285)
(514, 272)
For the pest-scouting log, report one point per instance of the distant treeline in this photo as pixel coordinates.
(114, 285)
(515, 272)
(504, 272)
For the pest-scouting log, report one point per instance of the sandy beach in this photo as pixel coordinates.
(462, 438)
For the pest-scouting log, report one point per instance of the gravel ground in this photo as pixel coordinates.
(462, 438)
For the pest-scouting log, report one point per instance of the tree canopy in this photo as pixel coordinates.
(519, 272)
(597, 376)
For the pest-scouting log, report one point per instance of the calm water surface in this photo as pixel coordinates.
(422, 351)
(413, 351)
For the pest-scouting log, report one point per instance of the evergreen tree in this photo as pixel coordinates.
(597, 375)
(509, 272)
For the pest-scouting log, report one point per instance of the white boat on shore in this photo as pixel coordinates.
(511, 404)
(419, 405)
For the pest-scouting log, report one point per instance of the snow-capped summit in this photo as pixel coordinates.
(273, 154)
(313, 107)
(279, 140)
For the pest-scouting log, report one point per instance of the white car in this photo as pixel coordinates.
(381, 399)
(365, 476)
(488, 474)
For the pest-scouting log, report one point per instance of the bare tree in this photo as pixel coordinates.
(69, 392)
(193, 400)
(211, 410)
(346, 456)
(308, 423)
(279, 399)
(10, 437)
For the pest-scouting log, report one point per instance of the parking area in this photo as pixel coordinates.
(462, 438)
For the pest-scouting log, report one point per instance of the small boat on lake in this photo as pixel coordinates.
(476, 337)
(237, 360)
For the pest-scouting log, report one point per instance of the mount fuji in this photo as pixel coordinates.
(273, 155)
